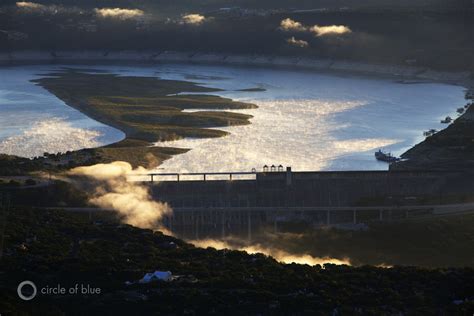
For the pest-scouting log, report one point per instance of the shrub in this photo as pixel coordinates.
(30, 182)
(14, 183)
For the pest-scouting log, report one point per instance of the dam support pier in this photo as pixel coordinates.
(196, 223)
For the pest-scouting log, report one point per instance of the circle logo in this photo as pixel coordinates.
(29, 296)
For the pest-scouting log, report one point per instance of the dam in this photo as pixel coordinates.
(309, 189)
(210, 207)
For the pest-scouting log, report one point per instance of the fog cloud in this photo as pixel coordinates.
(130, 199)
(30, 5)
(193, 19)
(330, 30)
(37, 8)
(278, 254)
(291, 25)
(119, 13)
(297, 42)
(318, 30)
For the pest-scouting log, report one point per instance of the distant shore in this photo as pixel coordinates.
(402, 72)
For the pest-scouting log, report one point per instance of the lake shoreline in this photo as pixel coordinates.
(146, 110)
(403, 74)
(409, 73)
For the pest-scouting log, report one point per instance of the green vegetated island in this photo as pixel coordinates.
(146, 109)
(61, 247)
(150, 109)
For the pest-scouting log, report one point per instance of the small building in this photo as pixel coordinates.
(157, 276)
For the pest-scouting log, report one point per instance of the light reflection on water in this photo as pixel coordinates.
(306, 120)
(313, 121)
(297, 133)
(33, 121)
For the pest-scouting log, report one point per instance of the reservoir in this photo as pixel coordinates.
(306, 120)
(33, 121)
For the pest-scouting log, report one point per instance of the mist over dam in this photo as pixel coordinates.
(235, 157)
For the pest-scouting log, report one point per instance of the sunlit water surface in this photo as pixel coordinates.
(306, 120)
(33, 121)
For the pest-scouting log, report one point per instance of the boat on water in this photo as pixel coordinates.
(387, 157)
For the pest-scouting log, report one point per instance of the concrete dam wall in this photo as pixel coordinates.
(315, 189)
(217, 208)
(273, 200)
